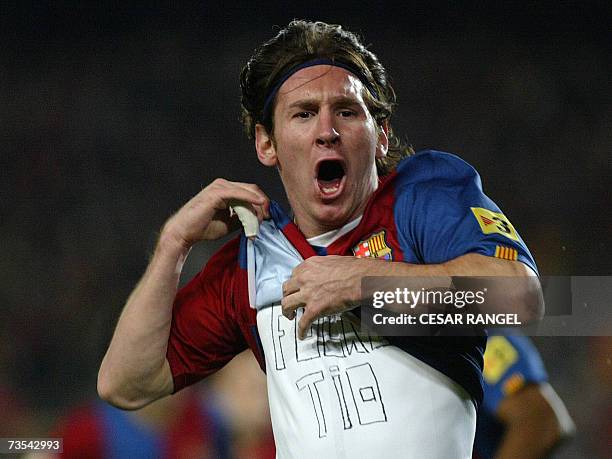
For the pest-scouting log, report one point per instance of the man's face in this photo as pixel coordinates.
(325, 143)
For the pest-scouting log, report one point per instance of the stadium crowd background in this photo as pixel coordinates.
(111, 118)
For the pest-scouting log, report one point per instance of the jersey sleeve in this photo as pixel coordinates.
(511, 362)
(205, 334)
(442, 213)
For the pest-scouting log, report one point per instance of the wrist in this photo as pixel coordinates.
(169, 246)
(365, 267)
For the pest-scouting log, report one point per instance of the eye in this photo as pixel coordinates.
(346, 113)
(303, 115)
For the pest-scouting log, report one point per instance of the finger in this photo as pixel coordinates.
(290, 286)
(244, 194)
(305, 322)
(226, 190)
(265, 205)
(289, 304)
(265, 211)
(224, 194)
(261, 212)
(261, 200)
(255, 189)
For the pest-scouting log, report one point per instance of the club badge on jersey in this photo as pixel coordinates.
(374, 246)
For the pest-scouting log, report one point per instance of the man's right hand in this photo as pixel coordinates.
(206, 216)
(135, 371)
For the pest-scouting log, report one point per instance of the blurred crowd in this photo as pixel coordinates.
(110, 119)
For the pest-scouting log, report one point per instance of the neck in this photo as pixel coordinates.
(311, 227)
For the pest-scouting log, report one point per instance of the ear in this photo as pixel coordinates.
(383, 140)
(266, 151)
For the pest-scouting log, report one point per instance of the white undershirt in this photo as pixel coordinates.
(326, 239)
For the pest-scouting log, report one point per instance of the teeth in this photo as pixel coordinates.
(329, 190)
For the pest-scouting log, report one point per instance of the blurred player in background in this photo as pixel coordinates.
(521, 414)
(318, 105)
(181, 426)
(227, 419)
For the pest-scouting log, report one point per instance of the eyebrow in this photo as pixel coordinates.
(312, 102)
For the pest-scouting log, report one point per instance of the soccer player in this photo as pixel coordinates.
(318, 105)
(521, 414)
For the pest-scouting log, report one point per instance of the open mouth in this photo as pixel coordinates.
(330, 177)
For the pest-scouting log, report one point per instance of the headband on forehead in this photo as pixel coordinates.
(321, 61)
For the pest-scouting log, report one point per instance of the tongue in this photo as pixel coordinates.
(329, 186)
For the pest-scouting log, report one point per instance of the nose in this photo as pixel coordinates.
(327, 133)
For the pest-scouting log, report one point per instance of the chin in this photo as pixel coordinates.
(332, 216)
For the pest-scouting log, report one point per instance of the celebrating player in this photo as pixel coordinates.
(318, 105)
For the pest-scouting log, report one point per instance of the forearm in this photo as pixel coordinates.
(510, 285)
(134, 370)
(532, 426)
(332, 284)
(526, 442)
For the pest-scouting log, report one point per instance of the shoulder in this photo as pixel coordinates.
(519, 343)
(528, 355)
(435, 178)
(432, 165)
(513, 353)
(217, 274)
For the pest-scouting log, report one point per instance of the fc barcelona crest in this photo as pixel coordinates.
(375, 247)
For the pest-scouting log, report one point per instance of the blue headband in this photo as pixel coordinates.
(321, 61)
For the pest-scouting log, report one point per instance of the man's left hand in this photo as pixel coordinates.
(323, 286)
